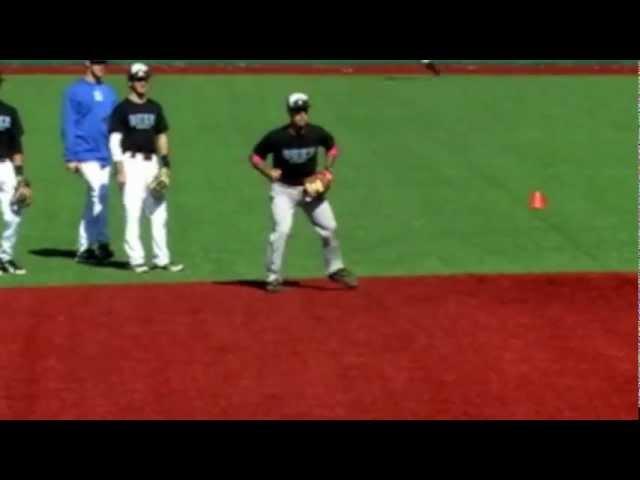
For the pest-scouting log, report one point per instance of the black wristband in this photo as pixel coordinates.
(164, 161)
(19, 170)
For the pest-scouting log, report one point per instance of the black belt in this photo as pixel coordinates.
(147, 156)
(292, 183)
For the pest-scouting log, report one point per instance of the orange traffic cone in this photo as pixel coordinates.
(538, 201)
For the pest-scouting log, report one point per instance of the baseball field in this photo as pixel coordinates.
(472, 305)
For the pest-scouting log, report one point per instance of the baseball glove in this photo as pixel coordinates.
(23, 195)
(318, 184)
(161, 182)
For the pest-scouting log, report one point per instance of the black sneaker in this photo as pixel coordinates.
(87, 256)
(104, 252)
(431, 66)
(12, 268)
(344, 277)
(274, 286)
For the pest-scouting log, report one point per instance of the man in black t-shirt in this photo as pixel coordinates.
(295, 148)
(11, 176)
(431, 66)
(140, 149)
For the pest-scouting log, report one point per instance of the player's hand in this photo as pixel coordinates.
(73, 167)
(121, 178)
(275, 174)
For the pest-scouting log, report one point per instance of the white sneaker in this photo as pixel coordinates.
(140, 269)
(173, 268)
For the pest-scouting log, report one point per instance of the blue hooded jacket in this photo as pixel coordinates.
(85, 121)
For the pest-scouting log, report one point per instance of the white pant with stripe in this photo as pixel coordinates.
(138, 201)
(11, 216)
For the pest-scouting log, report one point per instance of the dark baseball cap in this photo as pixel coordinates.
(97, 62)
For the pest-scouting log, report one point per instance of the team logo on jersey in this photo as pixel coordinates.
(142, 121)
(5, 122)
(299, 155)
(98, 96)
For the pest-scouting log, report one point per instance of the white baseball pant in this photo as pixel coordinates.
(138, 200)
(10, 215)
(93, 228)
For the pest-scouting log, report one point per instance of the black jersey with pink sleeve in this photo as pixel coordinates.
(295, 153)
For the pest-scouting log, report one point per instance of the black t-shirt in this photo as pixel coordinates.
(295, 154)
(139, 124)
(11, 131)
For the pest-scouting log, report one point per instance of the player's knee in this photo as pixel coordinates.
(132, 214)
(283, 229)
(159, 224)
(103, 193)
(95, 197)
(328, 232)
(280, 235)
(281, 232)
(329, 239)
(12, 220)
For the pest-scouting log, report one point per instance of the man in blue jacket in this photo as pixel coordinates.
(86, 109)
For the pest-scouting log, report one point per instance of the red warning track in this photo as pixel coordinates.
(340, 69)
(471, 347)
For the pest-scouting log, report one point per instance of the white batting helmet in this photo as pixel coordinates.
(298, 101)
(139, 71)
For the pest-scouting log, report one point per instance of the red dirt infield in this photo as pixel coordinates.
(466, 347)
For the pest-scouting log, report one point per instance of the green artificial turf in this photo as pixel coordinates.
(434, 178)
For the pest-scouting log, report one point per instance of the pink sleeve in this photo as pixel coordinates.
(257, 161)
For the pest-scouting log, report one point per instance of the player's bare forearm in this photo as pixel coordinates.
(73, 167)
(18, 160)
(163, 151)
(163, 144)
(18, 164)
(329, 163)
(263, 170)
(120, 175)
(331, 159)
(271, 174)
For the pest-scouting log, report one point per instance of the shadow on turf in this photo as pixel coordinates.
(289, 284)
(71, 255)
